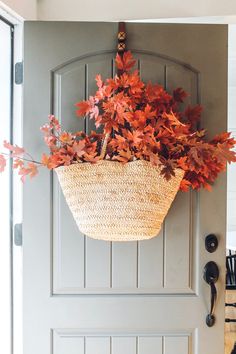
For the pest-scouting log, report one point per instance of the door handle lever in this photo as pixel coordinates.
(210, 320)
(211, 275)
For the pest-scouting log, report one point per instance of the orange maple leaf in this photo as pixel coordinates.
(124, 156)
(125, 62)
(185, 185)
(83, 108)
(99, 81)
(15, 150)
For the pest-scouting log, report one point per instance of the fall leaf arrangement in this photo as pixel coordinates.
(140, 121)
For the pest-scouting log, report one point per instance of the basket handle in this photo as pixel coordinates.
(104, 146)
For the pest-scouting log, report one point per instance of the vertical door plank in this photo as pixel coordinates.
(69, 88)
(98, 345)
(124, 264)
(150, 257)
(124, 345)
(68, 242)
(68, 345)
(151, 263)
(176, 345)
(68, 249)
(97, 252)
(178, 76)
(152, 70)
(178, 224)
(97, 270)
(177, 243)
(150, 345)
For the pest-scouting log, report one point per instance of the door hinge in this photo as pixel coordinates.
(19, 73)
(18, 239)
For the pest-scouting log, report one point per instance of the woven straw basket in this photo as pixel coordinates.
(118, 202)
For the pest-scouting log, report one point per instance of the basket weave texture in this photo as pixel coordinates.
(118, 202)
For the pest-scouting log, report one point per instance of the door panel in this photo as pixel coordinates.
(77, 343)
(83, 295)
(166, 266)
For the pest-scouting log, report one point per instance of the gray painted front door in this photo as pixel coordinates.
(83, 296)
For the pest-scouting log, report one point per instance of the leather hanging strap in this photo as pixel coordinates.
(121, 46)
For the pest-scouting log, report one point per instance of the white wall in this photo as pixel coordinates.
(112, 10)
(26, 9)
(109, 10)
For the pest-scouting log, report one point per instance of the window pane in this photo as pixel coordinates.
(5, 245)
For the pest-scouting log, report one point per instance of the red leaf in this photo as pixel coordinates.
(2, 163)
(124, 156)
(182, 163)
(99, 81)
(66, 138)
(224, 137)
(78, 148)
(224, 153)
(16, 151)
(91, 157)
(18, 163)
(51, 161)
(30, 170)
(94, 112)
(54, 123)
(179, 95)
(133, 137)
(125, 62)
(207, 186)
(193, 114)
(174, 120)
(50, 141)
(168, 170)
(154, 159)
(46, 129)
(118, 143)
(33, 169)
(66, 159)
(185, 185)
(83, 108)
